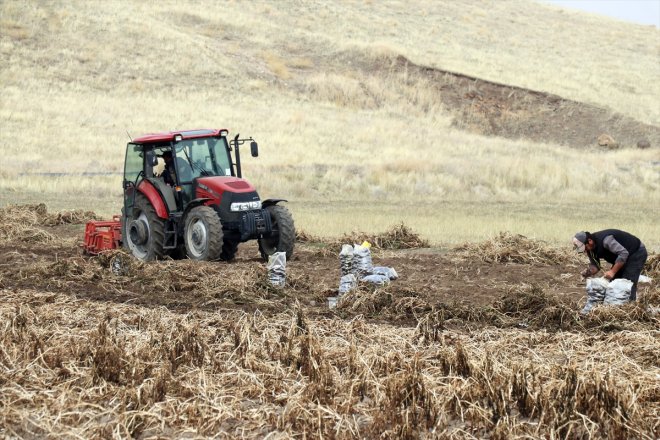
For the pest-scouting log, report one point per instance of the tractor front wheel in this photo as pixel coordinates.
(202, 234)
(144, 231)
(283, 237)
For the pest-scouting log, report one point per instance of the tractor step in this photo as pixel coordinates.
(171, 236)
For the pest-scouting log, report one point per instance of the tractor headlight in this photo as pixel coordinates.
(245, 206)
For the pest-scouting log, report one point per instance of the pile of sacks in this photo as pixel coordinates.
(356, 265)
(602, 291)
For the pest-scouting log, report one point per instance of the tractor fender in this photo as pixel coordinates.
(151, 193)
(194, 203)
(269, 202)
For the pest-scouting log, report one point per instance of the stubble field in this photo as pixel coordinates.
(480, 340)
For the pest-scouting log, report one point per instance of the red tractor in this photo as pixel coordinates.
(184, 195)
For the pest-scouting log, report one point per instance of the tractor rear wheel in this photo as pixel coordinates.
(202, 234)
(144, 231)
(283, 237)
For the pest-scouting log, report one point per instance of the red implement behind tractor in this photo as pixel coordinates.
(184, 195)
(102, 235)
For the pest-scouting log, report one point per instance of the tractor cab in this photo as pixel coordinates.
(184, 195)
(178, 165)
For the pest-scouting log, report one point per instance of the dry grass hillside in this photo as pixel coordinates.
(355, 104)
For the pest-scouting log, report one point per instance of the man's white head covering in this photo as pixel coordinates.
(579, 241)
(160, 167)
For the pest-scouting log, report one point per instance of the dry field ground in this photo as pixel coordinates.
(426, 127)
(480, 341)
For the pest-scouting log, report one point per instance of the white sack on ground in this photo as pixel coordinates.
(596, 288)
(362, 264)
(602, 291)
(277, 269)
(347, 283)
(644, 279)
(618, 292)
(377, 279)
(346, 259)
(357, 260)
(387, 271)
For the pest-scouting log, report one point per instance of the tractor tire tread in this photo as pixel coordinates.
(156, 226)
(215, 232)
(287, 231)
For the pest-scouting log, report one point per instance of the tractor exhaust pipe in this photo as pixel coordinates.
(238, 156)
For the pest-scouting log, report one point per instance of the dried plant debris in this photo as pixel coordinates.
(24, 223)
(108, 346)
(91, 369)
(652, 267)
(399, 236)
(515, 248)
(39, 215)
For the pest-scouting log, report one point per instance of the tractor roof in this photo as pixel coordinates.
(168, 136)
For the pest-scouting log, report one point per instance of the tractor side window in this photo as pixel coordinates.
(134, 163)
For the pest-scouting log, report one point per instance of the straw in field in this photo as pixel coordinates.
(514, 248)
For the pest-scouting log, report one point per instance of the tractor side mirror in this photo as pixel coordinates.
(254, 149)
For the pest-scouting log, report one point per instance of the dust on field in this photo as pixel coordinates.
(479, 341)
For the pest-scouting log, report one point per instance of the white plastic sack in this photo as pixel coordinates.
(644, 279)
(602, 291)
(379, 280)
(346, 259)
(277, 269)
(347, 283)
(618, 292)
(596, 288)
(389, 272)
(362, 264)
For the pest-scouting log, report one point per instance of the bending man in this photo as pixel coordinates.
(625, 252)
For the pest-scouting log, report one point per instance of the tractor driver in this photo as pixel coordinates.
(169, 175)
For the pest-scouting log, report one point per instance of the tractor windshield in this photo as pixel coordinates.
(201, 158)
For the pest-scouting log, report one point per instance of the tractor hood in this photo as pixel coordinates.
(216, 186)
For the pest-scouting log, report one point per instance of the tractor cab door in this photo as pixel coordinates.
(183, 156)
(133, 172)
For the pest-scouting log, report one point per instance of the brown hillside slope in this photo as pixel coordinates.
(496, 109)
(477, 105)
